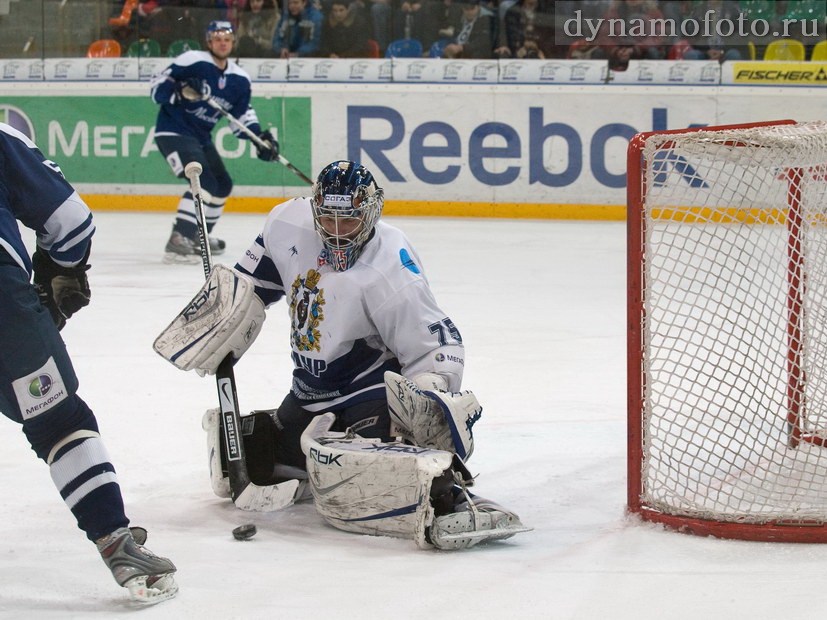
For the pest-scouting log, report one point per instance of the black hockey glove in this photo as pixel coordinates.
(270, 150)
(193, 89)
(62, 290)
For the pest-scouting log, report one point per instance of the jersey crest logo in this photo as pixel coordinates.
(222, 82)
(306, 312)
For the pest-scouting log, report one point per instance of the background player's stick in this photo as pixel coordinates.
(256, 140)
(246, 495)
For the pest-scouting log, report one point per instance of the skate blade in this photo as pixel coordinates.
(463, 540)
(161, 588)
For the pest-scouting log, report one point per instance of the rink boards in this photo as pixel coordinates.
(500, 145)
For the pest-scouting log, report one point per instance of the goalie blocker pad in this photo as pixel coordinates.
(223, 318)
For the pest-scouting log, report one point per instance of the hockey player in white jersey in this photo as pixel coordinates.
(38, 386)
(374, 415)
(183, 131)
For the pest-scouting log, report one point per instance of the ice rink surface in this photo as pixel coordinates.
(541, 307)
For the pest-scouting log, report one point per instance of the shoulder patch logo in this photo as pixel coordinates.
(407, 261)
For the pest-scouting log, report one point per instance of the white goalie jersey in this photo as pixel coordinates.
(349, 327)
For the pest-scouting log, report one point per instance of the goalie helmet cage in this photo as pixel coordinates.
(727, 330)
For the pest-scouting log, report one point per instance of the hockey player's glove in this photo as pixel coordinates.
(270, 150)
(62, 290)
(193, 89)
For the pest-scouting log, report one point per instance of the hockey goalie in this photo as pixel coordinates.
(375, 426)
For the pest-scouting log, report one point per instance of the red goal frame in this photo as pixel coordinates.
(778, 531)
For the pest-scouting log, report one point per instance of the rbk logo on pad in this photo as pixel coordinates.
(199, 301)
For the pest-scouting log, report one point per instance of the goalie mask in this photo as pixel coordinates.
(347, 203)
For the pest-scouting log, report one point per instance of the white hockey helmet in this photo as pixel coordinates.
(222, 27)
(347, 203)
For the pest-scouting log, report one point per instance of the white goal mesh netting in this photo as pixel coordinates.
(725, 333)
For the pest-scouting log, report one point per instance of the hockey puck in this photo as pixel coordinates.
(244, 532)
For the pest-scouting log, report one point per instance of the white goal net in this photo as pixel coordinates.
(728, 325)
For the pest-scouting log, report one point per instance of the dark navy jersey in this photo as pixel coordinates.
(34, 192)
(230, 88)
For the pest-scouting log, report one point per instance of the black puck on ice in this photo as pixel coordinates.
(245, 532)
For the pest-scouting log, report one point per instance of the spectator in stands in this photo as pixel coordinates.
(399, 19)
(409, 20)
(623, 39)
(344, 32)
(475, 32)
(168, 20)
(589, 9)
(199, 12)
(299, 31)
(380, 17)
(528, 31)
(149, 20)
(714, 47)
(234, 10)
(440, 19)
(256, 28)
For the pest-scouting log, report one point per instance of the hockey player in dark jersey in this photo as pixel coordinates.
(38, 386)
(183, 131)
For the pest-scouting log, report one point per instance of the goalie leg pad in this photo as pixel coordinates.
(371, 487)
(223, 318)
(432, 419)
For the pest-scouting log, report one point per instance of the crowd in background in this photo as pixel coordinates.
(460, 28)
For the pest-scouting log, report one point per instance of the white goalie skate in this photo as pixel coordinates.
(477, 520)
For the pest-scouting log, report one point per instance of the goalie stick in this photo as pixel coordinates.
(256, 140)
(245, 494)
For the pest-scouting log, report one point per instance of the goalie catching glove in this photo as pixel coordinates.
(62, 290)
(269, 150)
(223, 318)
